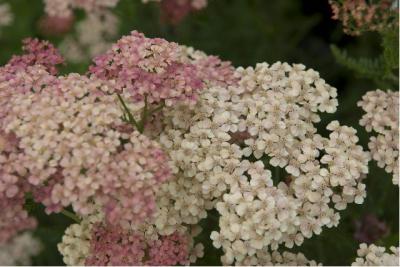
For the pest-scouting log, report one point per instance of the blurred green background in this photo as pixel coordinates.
(246, 32)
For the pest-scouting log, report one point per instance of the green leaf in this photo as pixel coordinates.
(375, 69)
(365, 67)
(390, 44)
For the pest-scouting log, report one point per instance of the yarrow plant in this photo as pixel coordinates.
(65, 141)
(155, 135)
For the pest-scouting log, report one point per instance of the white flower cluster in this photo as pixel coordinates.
(75, 244)
(6, 16)
(64, 8)
(373, 255)
(273, 110)
(265, 258)
(19, 250)
(93, 36)
(382, 117)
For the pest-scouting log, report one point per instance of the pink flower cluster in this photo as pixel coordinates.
(19, 76)
(359, 15)
(211, 69)
(38, 53)
(76, 155)
(13, 217)
(63, 139)
(111, 245)
(156, 69)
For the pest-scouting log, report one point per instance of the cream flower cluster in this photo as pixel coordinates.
(273, 108)
(76, 154)
(19, 250)
(276, 258)
(382, 117)
(93, 36)
(75, 243)
(373, 255)
(64, 8)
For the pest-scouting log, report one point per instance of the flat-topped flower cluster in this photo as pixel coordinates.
(373, 255)
(382, 117)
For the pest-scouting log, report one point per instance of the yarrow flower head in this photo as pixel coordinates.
(70, 145)
(37, 52)
(382, 117)
(94, 243)
(373, 255)
(76, 154)
(273, 108)
(275, 258)
(150, 68)
(23, 74)
(358, 16)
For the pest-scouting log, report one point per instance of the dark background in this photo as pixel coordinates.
(246, 32)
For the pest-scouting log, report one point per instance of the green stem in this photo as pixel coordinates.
(131, 119)
(127, 116)
(142, 122)
(70, 215)
(277, 177)
(158, 108)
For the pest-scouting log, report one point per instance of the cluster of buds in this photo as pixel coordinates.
(358, 16)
